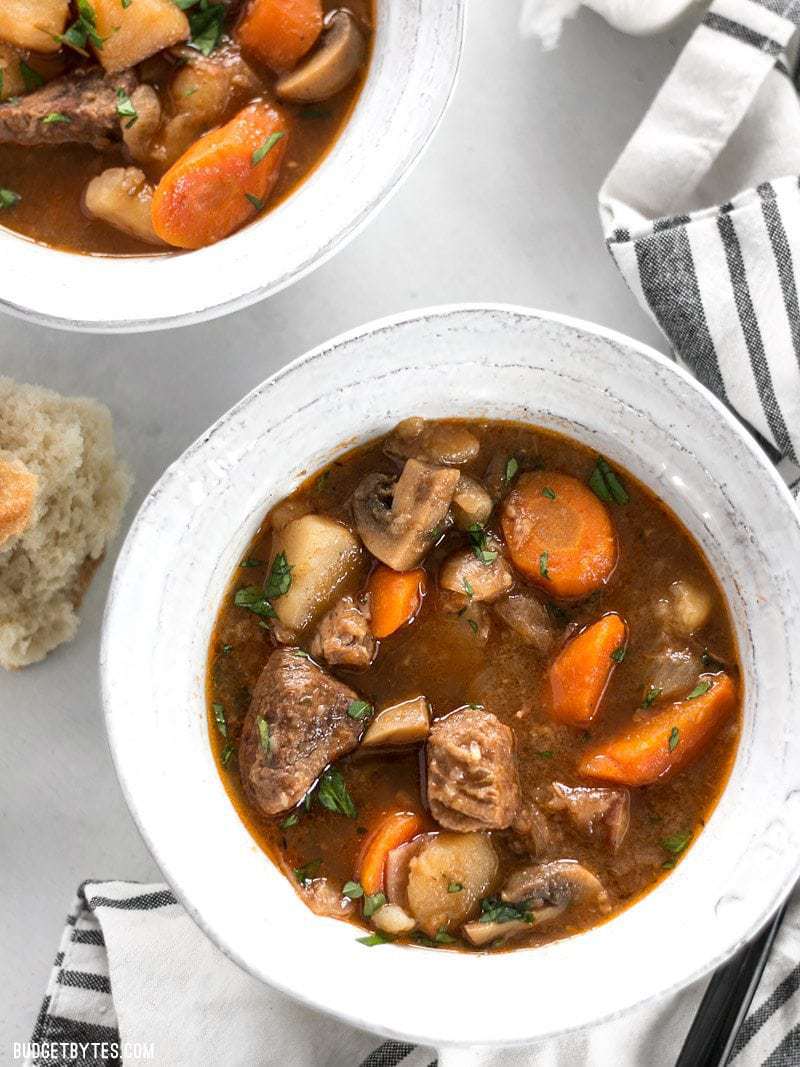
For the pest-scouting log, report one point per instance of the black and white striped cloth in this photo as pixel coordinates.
(702, 215)
(136, 982)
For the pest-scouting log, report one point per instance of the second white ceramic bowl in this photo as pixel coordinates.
(616, 396)
(414, 64)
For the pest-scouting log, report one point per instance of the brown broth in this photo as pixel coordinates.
(440, 657)
(52, 180)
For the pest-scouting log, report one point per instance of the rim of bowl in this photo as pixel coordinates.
(327, 348)
(450, 46)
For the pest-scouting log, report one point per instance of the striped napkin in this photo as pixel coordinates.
(702, 217)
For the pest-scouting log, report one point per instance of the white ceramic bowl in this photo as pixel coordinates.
(616, 396)
(412, 73)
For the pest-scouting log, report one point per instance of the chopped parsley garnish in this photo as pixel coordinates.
(651, 696)
(126, 109)
(32, 78)
(252, 598)
(455, 887)
(359, 709)
(82, 31)
(227, 752)
(8, 198)
(468, 588)
(377, 938)
(219, 719)
(226, 650)
(291, 820)
(473, 626)
(257, 204)
(606, 485)
(700, 689)
(512, 466)
(333, 794)
(305, 873)
(301, 654)
(675, 844)
(353, 890)
(549, 493)
(493, 910)
(54, 118)
(443, 937)
(270, 143)
(126, 4)
(544, 561)
(618, 655)
(253, 563)
(280, 578)
(546, 753)
(206, 24)
(674, 738)
(263, 735)
(477, 536)
(372, 902)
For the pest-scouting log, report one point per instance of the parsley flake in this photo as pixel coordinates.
(674, 738)
(219, 719)
(605, 484)
(270, 143)
(333, 794)
(359, 709)
(544, 560)
(477, 536)
(353, 890)
(700, 689)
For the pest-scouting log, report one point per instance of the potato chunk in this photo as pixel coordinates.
(131, 34)
(447, 862)
(121, 196)
(685, 609)
(33, 24)
(322, 554)
(401, 724)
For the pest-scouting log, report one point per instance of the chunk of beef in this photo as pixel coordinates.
(594, 810)
(472, 771)
(530, 834)
(343, 637)
(464, 573)
(325, 898)
(529, 618)
(86, 106)
(307, 727)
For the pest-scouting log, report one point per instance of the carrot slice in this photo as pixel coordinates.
(582, 670)
(395, 829)
(666, 742)
(223, 180)
(394, 598)
(280, 32)
(559, 535)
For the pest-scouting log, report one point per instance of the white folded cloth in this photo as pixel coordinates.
(135, 981)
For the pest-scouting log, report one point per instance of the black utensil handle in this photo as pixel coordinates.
(726, 1001)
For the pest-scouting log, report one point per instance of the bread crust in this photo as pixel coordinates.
(18, 491)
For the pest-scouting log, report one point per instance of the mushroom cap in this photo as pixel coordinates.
(331, 67)
(559, 883)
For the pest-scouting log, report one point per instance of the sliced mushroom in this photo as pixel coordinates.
(555, 885)
(481, 934)
(332, 66)
(406, 723)
(399, 521)
(471, 503)
(447, 443)
(121, 197)
(464, 573)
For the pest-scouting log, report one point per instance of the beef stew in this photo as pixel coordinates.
(143, 126)
(473, 687)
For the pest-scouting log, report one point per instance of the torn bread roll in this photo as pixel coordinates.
(62, 494)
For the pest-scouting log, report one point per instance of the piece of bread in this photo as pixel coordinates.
(62, 494)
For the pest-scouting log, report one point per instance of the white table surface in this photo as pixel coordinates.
(501, 208)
